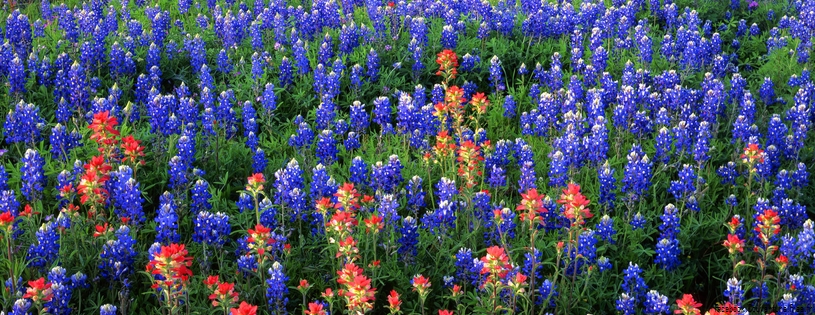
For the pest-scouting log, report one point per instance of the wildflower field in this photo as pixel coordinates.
(407, 157)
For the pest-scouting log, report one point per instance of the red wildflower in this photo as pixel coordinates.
(260, 240)
(102, 230)
(448, 62)
(531, 205)
(304, 285)
(244, 309)
(733, 244)
(103, 125)
(445, 312)
(314, 309)
(393, 302)
(6, 220)
(420, 284)
(347, 197)
(496, 263)
(172, 263)
(132, 150)
(374, 223)
(255, 183)
(687, 305)
(39, 291)
(479, 102)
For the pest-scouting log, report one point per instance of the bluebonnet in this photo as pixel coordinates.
(584, 254)
(359, 118)
(509, 106)
(61, 288)
(304, 136)
(16, 76)
(167, 220)
(656, 303)
(547, 291)
(442, 219)
(211, 228)
(388, 205)
(638, 171)
(356, 77)
(269, 100)
(728, 173)
(464, 262)
(358, 172)
(62, 142)
(633, 284)
(23, 124)
(603, 263)
(532, 261)
(469, 62)
(277, 290)
(608, 185)
(415, 194)
(373, 66)
(117, 256)
(326, 147)
(126, 195)
(3, 178)
(409, 238)
(734, 292)
(258, 67)
(285, 77)
(685, 187)
(249, 119)
(386, 177)
(178, 172)
(200, 196)
(325, 114)
(287, 180)
(449, 37)
(259, 161)
(557, 170)
(496, 74)
(44, 252)
(322, 185)
(626, 304)
(501, 224)
(528, 177)
(497, 177)
(21, 307)
(800, 176)
(32, 175)
(605, 229)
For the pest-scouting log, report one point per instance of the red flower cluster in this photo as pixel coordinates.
(496, 264)
(260, 241)
(223, 293)
(531, 206)
(244, 309)
(575, 205)
(469, 160)
(91, 186)
(687, 305)
(347, 198)
(768, 225)
(133, 150)
(734, 244)
(358, 293)
(39, 291)
(448, 62)
(104, 132)
(6, 220)
(173, 264)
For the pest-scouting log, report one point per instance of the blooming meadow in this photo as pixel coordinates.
(424, 157)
